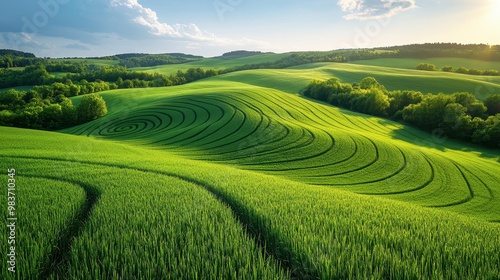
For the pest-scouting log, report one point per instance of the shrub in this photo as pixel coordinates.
(92, 107)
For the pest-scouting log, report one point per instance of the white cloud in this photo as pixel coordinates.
(374, 9)
(148, 18)
(20, 41)
(193, 46)
(190, 32)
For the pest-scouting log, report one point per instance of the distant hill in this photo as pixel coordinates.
(138, 55)
(132, 60)
(241, 53)
(16, 53)
(474, 51)
(13, 58)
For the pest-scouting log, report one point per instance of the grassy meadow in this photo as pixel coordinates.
(411, 63)
(397, 78)
(216, 63)
(238, 177)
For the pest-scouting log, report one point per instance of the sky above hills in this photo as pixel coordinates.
(68, 28)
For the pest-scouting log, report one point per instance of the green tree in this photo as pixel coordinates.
(429, 113)
(210, 73)
(475, 108)
(475, 72)
(491, 73)
(11, 97)
(492, 102)
(456, 122)
(377, 103)
(51, 117)
(426, 67)
(128, 84)
(400, 99)
(29, 116)
(447, 68)
(490, 134)
(68, 113)
(119, 82)
(462, 70)
(368, 82)
(74, 90)
(60, 88)
(6, 117)
(91, 107)
(30, 95)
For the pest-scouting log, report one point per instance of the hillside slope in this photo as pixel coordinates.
(268, 130)
(239, 177)
(183, 218)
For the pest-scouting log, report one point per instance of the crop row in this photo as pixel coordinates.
(148, 226)
(280, 134)
(157, 204)
(45, 210)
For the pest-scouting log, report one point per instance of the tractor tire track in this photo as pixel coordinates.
(266, 239)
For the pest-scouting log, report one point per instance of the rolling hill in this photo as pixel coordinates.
(411, 63)
(236, 176)
(216, 63)
(261, 128)
(385, 71)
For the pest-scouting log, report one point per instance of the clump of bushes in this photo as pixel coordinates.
(30, 110)
(461, 70)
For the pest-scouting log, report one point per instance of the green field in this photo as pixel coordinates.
(239, 177)
(439, 62)
(98, 62)
(294, 78)
(396, 78)
(216, 63)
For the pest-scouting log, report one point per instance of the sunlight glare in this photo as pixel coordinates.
(494, 11)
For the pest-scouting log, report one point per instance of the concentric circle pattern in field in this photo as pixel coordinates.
(282, 134)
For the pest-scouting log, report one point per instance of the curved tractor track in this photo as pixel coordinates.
(285, 135)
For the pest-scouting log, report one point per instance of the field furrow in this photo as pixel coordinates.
(163, 211)
(175, 226)
(239, 176)
(48, 213)
(269, 131)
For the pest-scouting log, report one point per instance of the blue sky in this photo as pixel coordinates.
(67, 28)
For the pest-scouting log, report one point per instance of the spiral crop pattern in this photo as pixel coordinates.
(289, 136)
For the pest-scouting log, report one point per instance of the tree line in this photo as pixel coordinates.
(47, 105)
(461, 70)
(149, 60)
(472, 51)
(13, 58)
(460, 115)
(81, 74)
